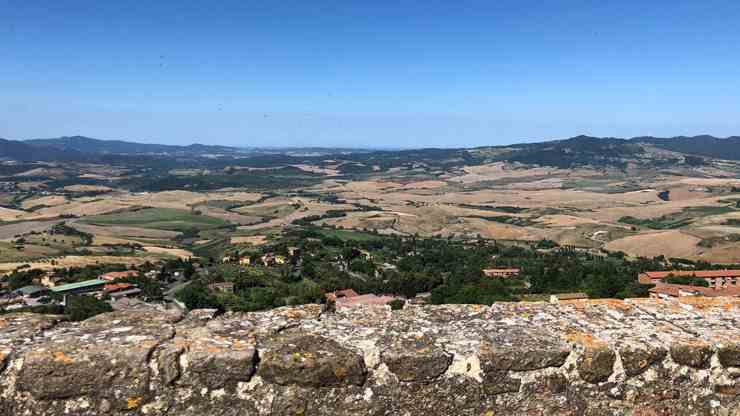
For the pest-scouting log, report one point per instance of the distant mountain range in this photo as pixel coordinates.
(575, 151)
(88, 145)
(21, 151)
(710, 146)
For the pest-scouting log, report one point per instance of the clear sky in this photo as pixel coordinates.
(367, 73)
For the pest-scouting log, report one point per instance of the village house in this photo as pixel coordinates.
(121, 290)
(272, 259)
(86, 286)
(49, 279)
(716, 279)
(32, 291)
(501, 273)
(112, 276)
(669, 290)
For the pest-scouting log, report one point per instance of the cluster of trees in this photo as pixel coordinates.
(23, 277)
(450, 270)
(279, 178)
(63, 229)
(687, 280)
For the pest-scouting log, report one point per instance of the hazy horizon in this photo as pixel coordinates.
(367, 74)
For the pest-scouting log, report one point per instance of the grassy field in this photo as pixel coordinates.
(270, 210)
(347, 235)
(158, 218)
(685, 217)
(10, 252)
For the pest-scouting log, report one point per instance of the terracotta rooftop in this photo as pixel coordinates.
(117, 286)
(674, 289)
(693, 273)
(118, 275)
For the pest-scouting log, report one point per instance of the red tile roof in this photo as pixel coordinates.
(673, 290)
(692, 273)
(117, 286)
(118, 275)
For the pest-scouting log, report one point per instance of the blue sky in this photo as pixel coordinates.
(368, 73)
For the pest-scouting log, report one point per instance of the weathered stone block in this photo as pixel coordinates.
(729, 354)
(637, 360)
(596, 364)
(309, 360)
(696, 355)
(416, 359)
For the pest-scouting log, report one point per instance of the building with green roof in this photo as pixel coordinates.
(32, 291)
(79, 287)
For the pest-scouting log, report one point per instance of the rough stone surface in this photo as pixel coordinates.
(634, 357)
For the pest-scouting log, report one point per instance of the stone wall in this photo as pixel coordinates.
(637, 357)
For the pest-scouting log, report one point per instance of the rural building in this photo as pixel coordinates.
(121, 290)
(245, 261)
(716, 279)
(669, 290)
(501, 273)
(272, 259)
(80, 287)
(111, 276)
(32, 291)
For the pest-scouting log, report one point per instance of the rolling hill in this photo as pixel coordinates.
(96, 146)
(567, 153)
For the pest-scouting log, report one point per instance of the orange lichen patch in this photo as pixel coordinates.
(702, 302)
(60, 356)
(213, 350)
(575, 303)
(183, 344)
(584, 339)
(296, 313)
(241, 344)
(134, 402)
(340, 372)
(615, 303)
